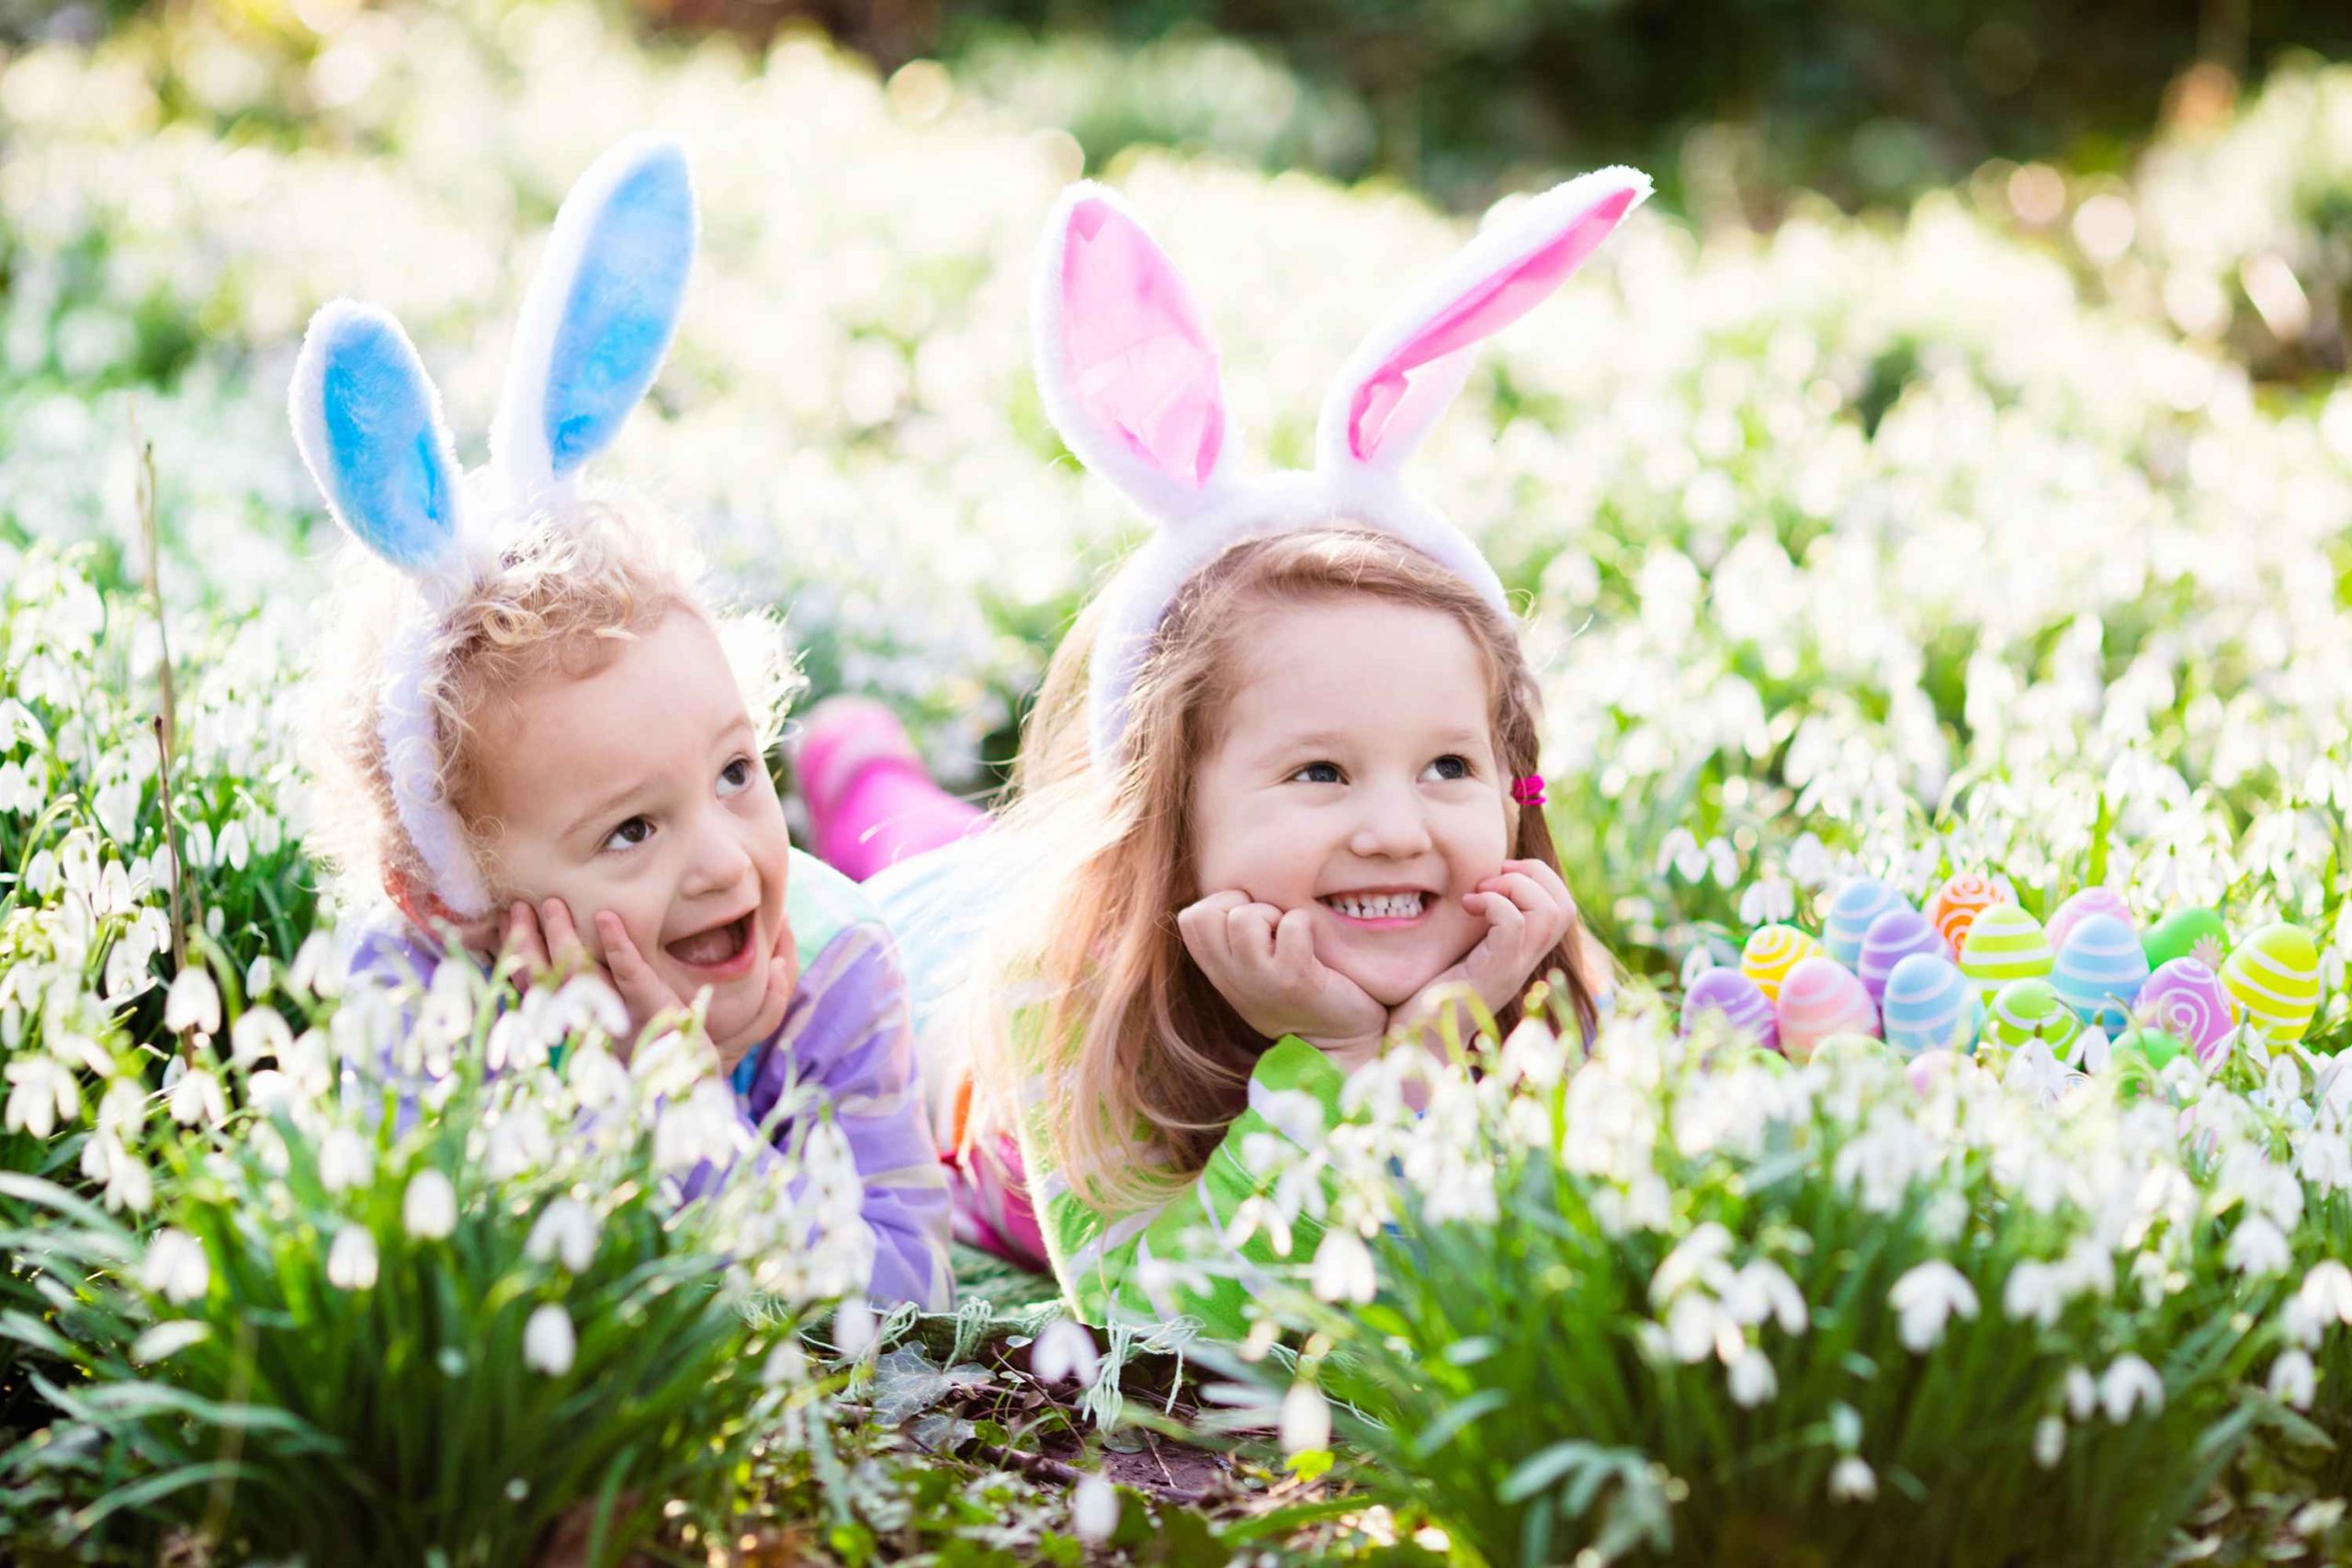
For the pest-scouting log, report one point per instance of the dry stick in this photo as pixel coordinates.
(166, 725)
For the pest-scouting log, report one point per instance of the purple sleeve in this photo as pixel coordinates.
(847, 1037)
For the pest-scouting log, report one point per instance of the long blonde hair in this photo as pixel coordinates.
(1092, 981)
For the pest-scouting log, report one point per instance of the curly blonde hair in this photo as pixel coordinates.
(573, 582)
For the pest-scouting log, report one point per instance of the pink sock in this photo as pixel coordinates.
(870, 803)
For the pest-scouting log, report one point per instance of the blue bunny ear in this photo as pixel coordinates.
(367, 422)
(598, 316)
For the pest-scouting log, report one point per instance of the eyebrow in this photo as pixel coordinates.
(1314, 740)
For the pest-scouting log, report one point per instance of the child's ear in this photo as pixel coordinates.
(367, 422)
(599, 315)
(1125, 365)
(1408, 371)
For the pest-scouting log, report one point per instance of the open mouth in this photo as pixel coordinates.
(718, 950)
(1387, 907)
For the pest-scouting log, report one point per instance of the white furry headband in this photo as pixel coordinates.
(595, 322)
(1129, 376)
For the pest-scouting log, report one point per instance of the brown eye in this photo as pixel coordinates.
(630, 834)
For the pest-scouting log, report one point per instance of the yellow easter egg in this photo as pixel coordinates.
(1772, 952)
(2274, 978)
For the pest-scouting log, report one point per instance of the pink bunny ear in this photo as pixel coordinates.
(1128, 372)
(1406, 373)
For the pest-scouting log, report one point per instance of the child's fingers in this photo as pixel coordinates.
(563, 943)
(1293, 952)
(1547, 878)
(524, 943)
(1250, 931)
(1523, 891)
(641, 990)
(1201, 925)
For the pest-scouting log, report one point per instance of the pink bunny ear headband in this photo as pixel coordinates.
(1129, 376)
(596, 321)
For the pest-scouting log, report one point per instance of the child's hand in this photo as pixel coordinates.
(1528, 911)
(1262, 961)
(547, 939)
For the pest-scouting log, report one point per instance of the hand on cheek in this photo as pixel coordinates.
(1262, 961)
(1528, 911)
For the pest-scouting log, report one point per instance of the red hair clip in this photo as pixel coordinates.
(1528, 791)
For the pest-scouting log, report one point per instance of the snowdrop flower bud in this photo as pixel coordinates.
(853, 1327)
(1851, 1479)
(548, 1344)
(351, 1258)
(1306, 1419)
(429, 1207)
(1343, 1271)
(1752, 1380)
(1064, 1350)
(196, 1098)
(345, 1160)
(2293, 1379)
(175, 1268)
(567, 1231)
(2049, 1442)
(1094, 1509)
(45, 1094)
(193, 1002)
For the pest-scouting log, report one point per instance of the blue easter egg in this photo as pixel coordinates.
(1737, 999)
(2100, 971)
(1930, 1006)
(1893, 937)
(1858, 903)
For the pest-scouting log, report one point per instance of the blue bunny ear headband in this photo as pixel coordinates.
(595, 322)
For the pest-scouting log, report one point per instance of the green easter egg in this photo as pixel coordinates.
(2025, 1011)
(2005, 945)
(2139, 1060)
(2187, 933)
(2274, 978)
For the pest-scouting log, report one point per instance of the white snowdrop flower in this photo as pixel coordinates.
(1681, 852)
(313, 969)
(176, 1267)
(2259, 1248)
(1762, 1288)
(259, 1031)
(1768, 901)
(235, 847)
(1851, 1479)
(1305, 1419)
(196, 1098)
(566, 1231)
(1696, 1325)
(853, 1327)
(1723, 861)
(1343, 1267)
(2127, 1385)
(2293, 1379)
(44, 1095)
(1809, 862)
(2049, 1442)
(1752, 1380)
(786, 1365)
(1065, 1349)
(549, 1342)
(128, 1182)
(193, 1002)
(345, 1160)
(429, 1206)
(2034, 1292)
(1926, 1298)
(166, 1339)
(260, 975)
(122, 1110)
(1094, 1509)
(1699, 1258)
(351, 1258)
(2328, 1293)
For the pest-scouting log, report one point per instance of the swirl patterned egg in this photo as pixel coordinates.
(1930, 1007)
(2089, 901)
(1772, 952)
(1858, 903)
(1892, 938)
(1820, 999)
(2187, 1000)
(2026, 1011)
(2004, 944)
(2274, 974)
(1958, 903)
(1733, 995)
(2100, 970)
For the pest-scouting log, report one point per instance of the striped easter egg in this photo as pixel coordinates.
(1894, 937)
(2274, 974)
(2089, 901)
(1772, 952)
(1732, 997)
(1928, 1006)
(1858, 903)
(2025, 1011)
(1958, 903)
(2100, 970)
(2004, 944)
(1821, 997)
(2186, 1000)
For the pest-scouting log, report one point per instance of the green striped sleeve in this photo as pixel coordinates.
(1170, 1259)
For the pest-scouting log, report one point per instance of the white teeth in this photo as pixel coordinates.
(1380, 906)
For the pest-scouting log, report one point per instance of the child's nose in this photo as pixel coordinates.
(1393, 825)
(720, 859)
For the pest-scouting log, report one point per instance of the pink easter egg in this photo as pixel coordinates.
(2089, 901)
(1819, 999)
(2185, 998)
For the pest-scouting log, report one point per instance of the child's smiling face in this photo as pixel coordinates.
(1356, 776)
(637, 788)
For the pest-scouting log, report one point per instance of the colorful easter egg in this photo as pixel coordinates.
(2100, 970)
(2139, 1059)
(2273, 975)
(2025, 1011)
(2187, 933)
(1772, 952)
(1821, 997)
(1858, 903)
(2186, 999)
(1957, 904)
(1733, 995)
(1928, 1006)
(1929, 1068)
(2089, 901)
(2004, 944)
(1894, 937)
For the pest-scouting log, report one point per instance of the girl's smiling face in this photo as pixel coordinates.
(1355, 776)
(637, 788)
